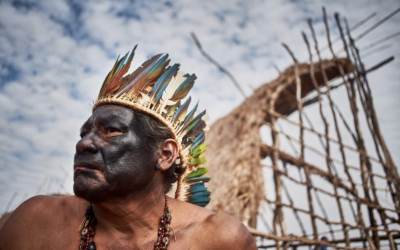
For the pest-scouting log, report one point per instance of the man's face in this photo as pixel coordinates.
(111, 159)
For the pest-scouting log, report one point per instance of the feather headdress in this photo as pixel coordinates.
(159, 90)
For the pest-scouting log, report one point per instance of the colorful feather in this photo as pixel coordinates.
(173, 108)
(184, 88)
(165, 79)
(108, 79)
(197, 192)
(190, 124)
(200, 125)
(114, 78)
(160, 93)
(174, 84)
(196, 179)
(199, 172)
(181, 112)
(197, 195)
(189, 116)
(145, 74)
(200, 138)
(197, 161)
(198, 150)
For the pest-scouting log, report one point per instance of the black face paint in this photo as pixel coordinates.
(112, 159)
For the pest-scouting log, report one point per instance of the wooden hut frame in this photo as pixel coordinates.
(236, 152)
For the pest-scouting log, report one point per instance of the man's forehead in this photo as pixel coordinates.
(110, 113)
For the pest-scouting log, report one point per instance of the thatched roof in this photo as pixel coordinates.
(234, 142)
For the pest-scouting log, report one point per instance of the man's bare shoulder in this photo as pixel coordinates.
(227, 232)
(35, 216)
(46, 206)
(214, 231)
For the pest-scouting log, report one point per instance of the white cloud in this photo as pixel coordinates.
(58, 73)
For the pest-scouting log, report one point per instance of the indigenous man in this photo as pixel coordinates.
(139, 140)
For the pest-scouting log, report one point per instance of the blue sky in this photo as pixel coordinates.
(55, 54)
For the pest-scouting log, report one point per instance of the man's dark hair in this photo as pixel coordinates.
(153, 132)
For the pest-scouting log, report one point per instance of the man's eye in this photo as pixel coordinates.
(83, 134)
(111, 130)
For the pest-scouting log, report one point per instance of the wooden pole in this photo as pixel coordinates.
(346, 169)
(300, 111)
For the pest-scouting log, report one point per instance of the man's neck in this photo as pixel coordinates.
(132, 218)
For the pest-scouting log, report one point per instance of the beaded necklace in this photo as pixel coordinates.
(89, 223)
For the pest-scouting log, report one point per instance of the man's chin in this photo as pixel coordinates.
(89, 189)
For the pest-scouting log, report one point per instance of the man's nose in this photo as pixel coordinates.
(86, 145)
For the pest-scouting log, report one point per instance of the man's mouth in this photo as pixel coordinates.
(85, 166)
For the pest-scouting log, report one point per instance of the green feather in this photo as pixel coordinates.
(197, 161)
(199, 150)
(199, 172)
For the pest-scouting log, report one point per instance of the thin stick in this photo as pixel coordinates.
(373, 125)
(376, 229)
(278, 215)
(342, 218)
(373, 27)
(360, 142)
(222, 69)
(40, 187)
(377, 66)
(341, 185)
(303, 230)
(300, 111)
(49, 186)
(265, 221)
(374, 51)
(356, 26)
(277, 69)
(387, 38)
(66, 175)
(273, 113)
(10, 201)
(376, 25)
(376, 200)
(346, 125)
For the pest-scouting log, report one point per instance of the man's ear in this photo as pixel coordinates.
(169, 153)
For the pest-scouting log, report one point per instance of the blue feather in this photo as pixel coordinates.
(159, 95)
(182, 108)
(192, 122)
(131, 55)
(200, 194)
(191, 113)
(202, 199)
(195, 179)
(198, 140)
(196, 189)
(122, 62)
(165, 78)
(199, 137)
(196, 184)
